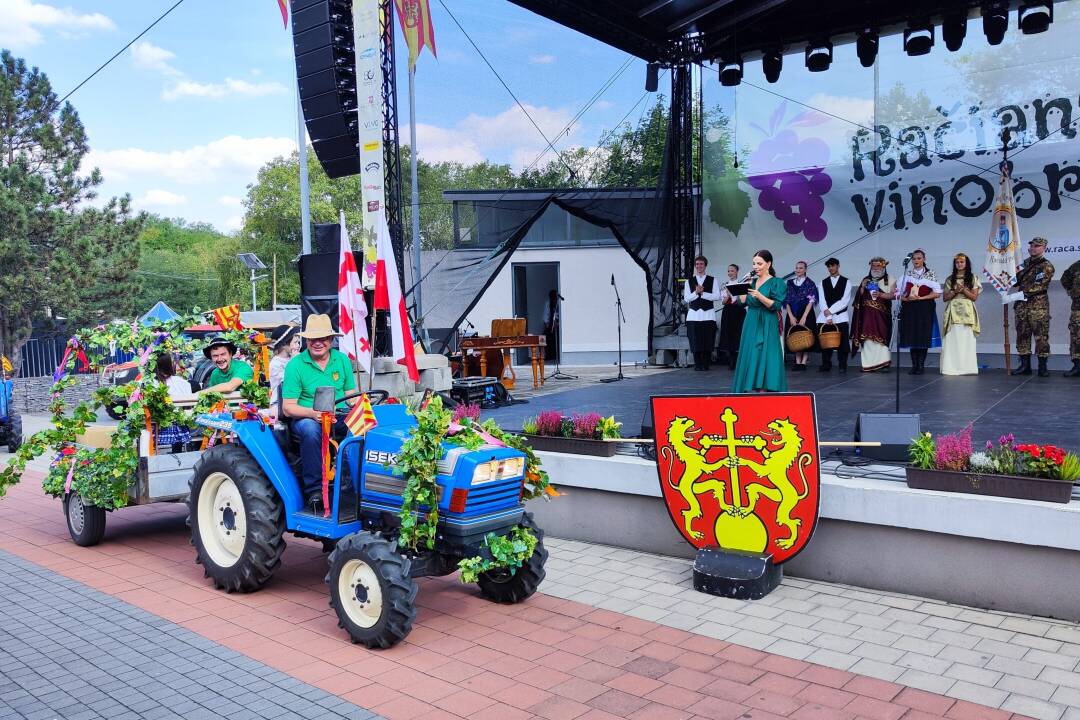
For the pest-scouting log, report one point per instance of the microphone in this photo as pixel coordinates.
(612, 278)
(907, 259)
(469, 324)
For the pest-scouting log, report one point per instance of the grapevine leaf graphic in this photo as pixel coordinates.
(729, 204)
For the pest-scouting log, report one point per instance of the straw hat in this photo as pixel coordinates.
(318, 326)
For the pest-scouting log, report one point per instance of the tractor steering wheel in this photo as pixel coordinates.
(376, 396)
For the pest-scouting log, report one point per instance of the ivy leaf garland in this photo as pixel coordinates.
(418, 461)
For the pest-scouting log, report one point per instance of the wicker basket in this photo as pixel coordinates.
(829, 337)
(799, 338)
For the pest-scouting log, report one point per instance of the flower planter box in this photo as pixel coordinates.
(577, 446)
(1011, 486)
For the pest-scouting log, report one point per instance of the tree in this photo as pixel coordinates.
(55, 253)
(176, 264)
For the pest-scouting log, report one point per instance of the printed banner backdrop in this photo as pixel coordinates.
(367, 38)
(855, 162)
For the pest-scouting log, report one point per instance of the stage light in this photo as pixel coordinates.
(919, 38)
(1035, 17)
(771, 64)
(953, 30)
(866, 47)
(731, 72)
(995, 15)
(818, 56)
(652, 77)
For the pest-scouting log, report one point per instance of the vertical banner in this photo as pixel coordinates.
(367, 40)
(1003, 245)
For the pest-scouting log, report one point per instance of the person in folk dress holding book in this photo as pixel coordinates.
(918, 311)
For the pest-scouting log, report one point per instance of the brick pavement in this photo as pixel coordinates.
(466, 658)
(67, 651)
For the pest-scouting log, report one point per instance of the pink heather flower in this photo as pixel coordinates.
(585, 425)
(549, 422)
(466, 410)
(952, 451)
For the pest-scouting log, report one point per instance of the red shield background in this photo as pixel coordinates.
(774, 524)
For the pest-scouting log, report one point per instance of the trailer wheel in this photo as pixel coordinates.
(85, 523)
(15, 435)
(371, 591)
(237, 520)
(513, 586)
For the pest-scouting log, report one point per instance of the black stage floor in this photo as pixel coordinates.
(1043, 410)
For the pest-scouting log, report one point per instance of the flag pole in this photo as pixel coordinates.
(413, 157)
(1005, 306)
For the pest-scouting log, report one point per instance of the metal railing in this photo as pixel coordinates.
(41, 356)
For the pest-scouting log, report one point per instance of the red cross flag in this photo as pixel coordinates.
(352, 309)
(388, 296)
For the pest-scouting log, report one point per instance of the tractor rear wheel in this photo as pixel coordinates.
(371, 591)
(15, 436)
(85, 523)
(513, 586)
(237, 519)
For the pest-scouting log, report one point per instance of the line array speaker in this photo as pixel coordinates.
(326, 77)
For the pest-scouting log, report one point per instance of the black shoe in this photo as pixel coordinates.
(1025, 366)
(1043, 371)
(1075, 371)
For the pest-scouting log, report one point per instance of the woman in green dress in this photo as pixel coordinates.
(761, 349)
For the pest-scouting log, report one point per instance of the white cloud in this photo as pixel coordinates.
(855, 109)
(229, 158)
(233, 223)
(603, 104)
(229, 88)
(161, 198)
(151, 57)
(230, 201)
(24, 21)
(541, 59)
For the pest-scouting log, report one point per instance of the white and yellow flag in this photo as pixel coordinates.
(1003, 245)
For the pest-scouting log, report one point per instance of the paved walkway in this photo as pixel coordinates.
(548, 658)
(67, 651)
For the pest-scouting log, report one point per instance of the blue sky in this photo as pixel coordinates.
(183, 120)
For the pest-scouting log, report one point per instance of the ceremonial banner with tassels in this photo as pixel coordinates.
(1003, 245)
(228, 317)
(361, 417)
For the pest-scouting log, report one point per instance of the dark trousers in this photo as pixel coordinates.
(702, 337)
(842, 352)
(310, 434)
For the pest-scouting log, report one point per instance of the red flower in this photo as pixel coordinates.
(68, 451)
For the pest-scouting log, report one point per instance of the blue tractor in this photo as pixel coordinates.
(11, 433)
(245, 496)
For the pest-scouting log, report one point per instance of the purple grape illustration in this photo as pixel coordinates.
(789, 175)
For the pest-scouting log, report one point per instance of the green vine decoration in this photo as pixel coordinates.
(509, 552)
(103, 476)
(417, 461)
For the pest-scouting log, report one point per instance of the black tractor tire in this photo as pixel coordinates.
(85, 523)
(509, 587)
(111, 411)
(14, 433)
(371, 591)
(237, 519)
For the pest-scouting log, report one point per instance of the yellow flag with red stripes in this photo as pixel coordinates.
(6, 365)
(361, 418)
(415, 19)
(228, 317)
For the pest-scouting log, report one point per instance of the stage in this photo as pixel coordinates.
(1035, 409)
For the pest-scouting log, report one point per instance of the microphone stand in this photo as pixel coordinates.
(557, 327)
(896, 327)
(620, 318)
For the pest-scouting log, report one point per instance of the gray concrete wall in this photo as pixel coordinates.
(33, 395)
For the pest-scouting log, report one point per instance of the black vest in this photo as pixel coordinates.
(833, 294)
(701, 303)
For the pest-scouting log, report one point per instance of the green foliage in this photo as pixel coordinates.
(177, 262)
(729, 204)
(608, 428)
(921, 451)
(417, 461)
(56, 251)
(507, 552)
(528, 426)
(1069, 470)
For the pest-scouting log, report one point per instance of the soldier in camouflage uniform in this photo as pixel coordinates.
(1033, 313)
(1071, 281)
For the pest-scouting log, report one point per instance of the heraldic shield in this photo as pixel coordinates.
(740, 471)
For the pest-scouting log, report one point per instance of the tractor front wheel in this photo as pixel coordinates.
(513, 586)
(237, 519)
(85, 523)
(15, 436)
(371, 591)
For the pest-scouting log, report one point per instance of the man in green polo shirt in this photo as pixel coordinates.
(317, 366)
(228, 374)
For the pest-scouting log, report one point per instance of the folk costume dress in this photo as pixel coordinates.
(731, 322)
(958, 356)
(871, 326)
(800, 293)
(761, 348)
(918, 318)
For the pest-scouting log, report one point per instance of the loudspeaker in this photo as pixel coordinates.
(326, 78)
(319, 294)
(894, 431)
(328, 239)
(652, 77)
(647, 422)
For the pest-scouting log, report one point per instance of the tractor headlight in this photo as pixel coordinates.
(498, 470)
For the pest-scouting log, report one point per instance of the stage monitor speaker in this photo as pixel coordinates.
(326, 79)
(328, 240)
(894, 431)
(647, 422)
